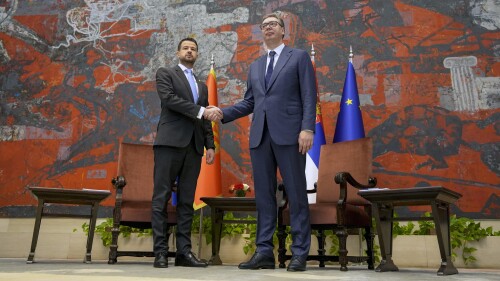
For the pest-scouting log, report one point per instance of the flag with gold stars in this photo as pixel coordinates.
(350, 121)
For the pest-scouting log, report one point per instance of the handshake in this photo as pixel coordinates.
(213, 113)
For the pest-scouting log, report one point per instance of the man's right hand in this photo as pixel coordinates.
(213, 113)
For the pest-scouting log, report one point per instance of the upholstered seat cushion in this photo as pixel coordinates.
(322, 213)
(140, 213)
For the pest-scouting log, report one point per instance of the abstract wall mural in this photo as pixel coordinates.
(77, 78)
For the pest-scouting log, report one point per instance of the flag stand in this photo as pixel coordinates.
(200, 231)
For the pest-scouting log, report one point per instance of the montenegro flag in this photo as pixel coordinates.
(209, 181)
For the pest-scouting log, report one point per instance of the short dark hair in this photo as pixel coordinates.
(276, 16)
(187, 39)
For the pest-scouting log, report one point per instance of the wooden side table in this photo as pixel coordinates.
(383, 203)
(219, 205)
(66, 196)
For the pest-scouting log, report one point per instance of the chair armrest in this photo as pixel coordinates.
(282, 200)
(314, 190)
(345, 177)
(342, 178)
(119, 183)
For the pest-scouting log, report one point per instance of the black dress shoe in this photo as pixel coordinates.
(258, 261)
(297, 264)
(161, 260)
(188, 260)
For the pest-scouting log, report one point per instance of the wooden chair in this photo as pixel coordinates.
(134, 191)
(338, 206)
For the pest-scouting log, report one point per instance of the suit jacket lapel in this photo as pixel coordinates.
(183, 78)
(200, 92)
(262, 70)
(282, 60)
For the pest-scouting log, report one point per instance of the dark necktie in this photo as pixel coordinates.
(269, 71)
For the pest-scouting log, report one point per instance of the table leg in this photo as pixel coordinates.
(90, 237)
(36, 230)
(383, 216)
(217, 216)
(441, 214)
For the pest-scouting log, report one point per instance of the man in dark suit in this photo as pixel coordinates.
(281, 94)
(183, 133)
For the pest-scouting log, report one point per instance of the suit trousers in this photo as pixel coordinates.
(266, 158)
(170, 163)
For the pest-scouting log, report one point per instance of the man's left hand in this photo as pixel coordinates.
(305, 141)
(210, 156)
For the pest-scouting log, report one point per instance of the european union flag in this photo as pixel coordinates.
(349, 121)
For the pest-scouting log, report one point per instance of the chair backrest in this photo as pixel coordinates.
(136, 164)
(354, 157)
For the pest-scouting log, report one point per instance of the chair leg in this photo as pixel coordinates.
(342, 235)
(170, 230)
(321, 247)
(119, 183)
(113, 248)
(282, 245)
(369, 237)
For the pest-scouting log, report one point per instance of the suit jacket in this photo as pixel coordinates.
(288, 104)
(178, 119)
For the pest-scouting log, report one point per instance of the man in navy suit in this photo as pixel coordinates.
(183, 133)
(281, 94)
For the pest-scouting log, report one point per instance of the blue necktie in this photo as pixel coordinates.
(269, 71)
(192, 83)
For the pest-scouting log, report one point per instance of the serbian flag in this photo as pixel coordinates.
(349, 121)
(312, 156)
(209, 181)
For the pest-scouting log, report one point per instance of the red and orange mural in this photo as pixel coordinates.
(77, 78)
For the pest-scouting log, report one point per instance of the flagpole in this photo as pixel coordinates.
(313, 53)
(351, 55)
(360, 232)
(200, 230)
(200, 227)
